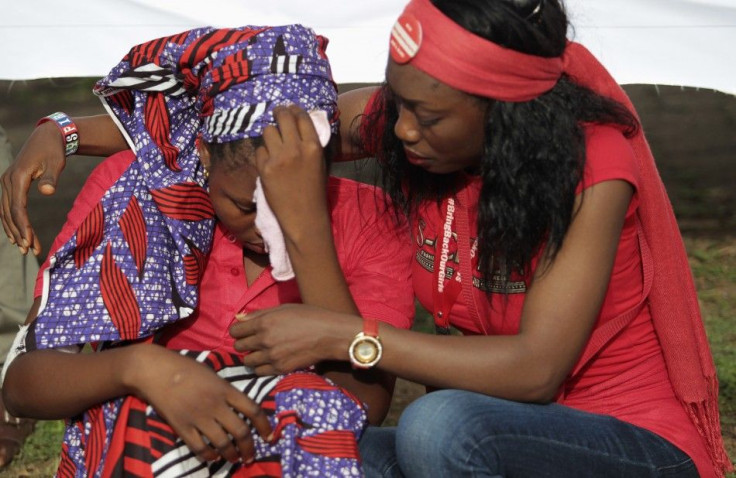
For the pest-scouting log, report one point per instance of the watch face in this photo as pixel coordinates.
(365, 351)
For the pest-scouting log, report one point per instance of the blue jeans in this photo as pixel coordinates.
(454, 433)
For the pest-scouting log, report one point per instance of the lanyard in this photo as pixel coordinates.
(445, 291)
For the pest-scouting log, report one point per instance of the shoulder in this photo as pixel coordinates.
(608, 155)
(359, 206)
(346, 193)
(109, 170)
(600, 137)
(101, 178)
(607, 142)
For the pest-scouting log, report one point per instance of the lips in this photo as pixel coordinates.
(416, 159)
(257, 248)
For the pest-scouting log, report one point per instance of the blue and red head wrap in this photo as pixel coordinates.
(135, 262)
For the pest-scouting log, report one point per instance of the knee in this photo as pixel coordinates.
(430, 422)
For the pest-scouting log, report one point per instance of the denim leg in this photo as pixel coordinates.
(453, 433)
(378, 453)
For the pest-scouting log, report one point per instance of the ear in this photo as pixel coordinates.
(204, 153)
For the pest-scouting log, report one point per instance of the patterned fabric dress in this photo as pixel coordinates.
(316, 425)
(135, 263)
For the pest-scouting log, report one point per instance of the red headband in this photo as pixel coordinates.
(427, 39)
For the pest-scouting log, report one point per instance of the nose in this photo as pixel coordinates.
(406, 127)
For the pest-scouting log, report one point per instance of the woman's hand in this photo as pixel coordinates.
(41, 158)
(202, 408)
(293, 172)
(293, 336)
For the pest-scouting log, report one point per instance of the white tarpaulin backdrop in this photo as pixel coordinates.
(665, 42)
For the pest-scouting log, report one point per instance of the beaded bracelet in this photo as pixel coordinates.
(68, 131)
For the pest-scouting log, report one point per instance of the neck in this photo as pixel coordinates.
(254, 264)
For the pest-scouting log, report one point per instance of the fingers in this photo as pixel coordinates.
(3, 201)
(197, 444)
(258, 419)
(307, 129)
(47, 181)
(244, 327)
(15, 186)
(295, 124)
(223, 443)
(36, 245)
(240, 440)
(255, 358)
(18, 207)
(41, 157)
(229, 436)
(13, 211)
(293, 128)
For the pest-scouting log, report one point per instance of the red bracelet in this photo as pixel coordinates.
(68, 131)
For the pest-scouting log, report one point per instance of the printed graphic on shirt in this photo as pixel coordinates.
(427, 244)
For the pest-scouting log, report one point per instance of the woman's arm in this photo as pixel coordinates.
(292, 169)
(351, 105)
(194, 401)
(42, 158)
(560, 310)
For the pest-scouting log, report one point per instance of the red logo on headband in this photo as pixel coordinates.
(406, 38)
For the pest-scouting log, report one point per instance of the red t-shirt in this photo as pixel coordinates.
(626, 377)
(371, 249)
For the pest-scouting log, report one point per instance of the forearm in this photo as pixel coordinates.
(373, 387)
(48, 384)
(322, 283)
(502, 366)
(99, 136)
(319, 276)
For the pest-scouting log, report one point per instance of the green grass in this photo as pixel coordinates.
(714, 266)
(40, 454)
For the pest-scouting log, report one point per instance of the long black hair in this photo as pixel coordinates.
(534, 151)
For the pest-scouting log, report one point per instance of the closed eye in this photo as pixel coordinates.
(247, 208)
(425, 123)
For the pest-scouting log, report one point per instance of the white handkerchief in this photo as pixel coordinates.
(273, 238)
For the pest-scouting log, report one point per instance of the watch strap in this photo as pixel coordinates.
(370, 327)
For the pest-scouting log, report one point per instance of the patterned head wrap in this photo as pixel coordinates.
(135, 262)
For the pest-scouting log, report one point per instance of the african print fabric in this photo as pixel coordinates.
(135, 263)
(323, 420)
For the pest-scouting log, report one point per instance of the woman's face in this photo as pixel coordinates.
(231, 192)
(441, 128)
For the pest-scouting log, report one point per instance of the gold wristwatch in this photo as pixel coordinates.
(366, 350)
